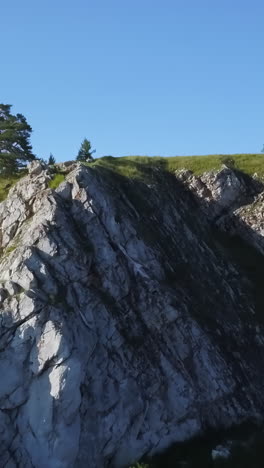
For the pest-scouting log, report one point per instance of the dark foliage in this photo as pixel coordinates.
(15, 147)
(85, 153)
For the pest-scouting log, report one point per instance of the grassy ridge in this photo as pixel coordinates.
(136, 166)
(140, 166)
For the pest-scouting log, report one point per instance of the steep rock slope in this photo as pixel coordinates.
(125, 323)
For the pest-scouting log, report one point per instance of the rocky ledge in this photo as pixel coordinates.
(128, 322)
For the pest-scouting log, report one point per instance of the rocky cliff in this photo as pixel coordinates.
(131, 314)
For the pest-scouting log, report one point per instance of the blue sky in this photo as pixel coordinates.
(166, 77)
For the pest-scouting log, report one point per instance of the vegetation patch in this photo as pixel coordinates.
(9, 180)
(141, 166)
(56, 180)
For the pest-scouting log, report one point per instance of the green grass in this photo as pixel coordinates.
(139, 166)
(6, 182)
(56, 180)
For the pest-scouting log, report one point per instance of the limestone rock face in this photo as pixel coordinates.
(252, 216)
(36, 167)
(125, 325)
(221, 190)
(67, 166)
(233, 201)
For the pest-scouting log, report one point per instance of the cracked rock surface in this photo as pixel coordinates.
(125, 325)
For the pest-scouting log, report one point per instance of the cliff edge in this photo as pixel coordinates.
(131, 314)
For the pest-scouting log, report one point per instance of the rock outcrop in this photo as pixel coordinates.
(223, 190)
(126, 323)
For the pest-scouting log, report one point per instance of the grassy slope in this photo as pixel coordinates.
(136, 166)
(57, 180)
(7, 182)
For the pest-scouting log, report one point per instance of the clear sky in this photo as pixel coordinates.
(143, 77)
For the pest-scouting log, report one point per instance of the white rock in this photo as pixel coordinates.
(36, 167)
(120, 321)
(221, 451)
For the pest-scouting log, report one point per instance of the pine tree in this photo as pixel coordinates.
(85, 153)
(15, 148)
(51, 160)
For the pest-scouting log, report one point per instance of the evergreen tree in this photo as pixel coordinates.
(15, 148)
(85, 153)
(51, 160)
